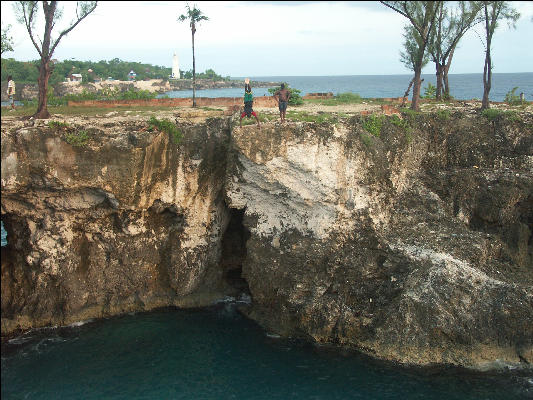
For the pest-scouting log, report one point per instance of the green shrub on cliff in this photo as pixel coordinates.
(511, 98)
(56, 125)
(78, 139)
(165, 125)
(372, 124)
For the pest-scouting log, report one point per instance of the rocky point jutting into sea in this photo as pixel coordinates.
(413, 244)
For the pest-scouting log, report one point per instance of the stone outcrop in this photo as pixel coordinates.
(413, 245)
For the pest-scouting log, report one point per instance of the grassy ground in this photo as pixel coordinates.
(22, 111)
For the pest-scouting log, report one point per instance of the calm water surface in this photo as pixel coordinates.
(462, 86)
(216, 353)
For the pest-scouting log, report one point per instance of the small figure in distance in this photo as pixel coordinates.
(11, 91)
(282, 96)
(248, 103)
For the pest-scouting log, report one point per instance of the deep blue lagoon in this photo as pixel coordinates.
(216, 353)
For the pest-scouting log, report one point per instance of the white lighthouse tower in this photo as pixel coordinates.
(175, 67)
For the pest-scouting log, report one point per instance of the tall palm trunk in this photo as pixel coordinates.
(193, 72)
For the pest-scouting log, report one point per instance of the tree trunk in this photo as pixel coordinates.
(415, 104)
(438, 94)
(407, 91)
(44, 75)
(445, 75)
(193, 74)
(487, 79)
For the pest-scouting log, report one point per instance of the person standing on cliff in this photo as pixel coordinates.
(282, 96)
(11, 91)
(248, 103)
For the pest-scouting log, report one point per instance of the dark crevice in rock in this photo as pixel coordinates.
(234, 252)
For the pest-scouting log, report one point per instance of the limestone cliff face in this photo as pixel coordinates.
(414, 246)
(129, 221)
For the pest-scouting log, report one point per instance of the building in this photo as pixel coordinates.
(132, 75)
(74, 78)
(175, 68)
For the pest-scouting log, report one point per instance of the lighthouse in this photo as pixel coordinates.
(175, 67)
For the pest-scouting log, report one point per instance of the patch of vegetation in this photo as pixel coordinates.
(78, 139)
(316, 118)
(492, 114)
(57, 125)
(295, 99)
(429, 91)
(340, 98)
(208, 74)
(167, 126)
(372, 124)
(367, 140)
(410, 114)
(512, 99)
(212, 109)
(443, 115)
(399, 122)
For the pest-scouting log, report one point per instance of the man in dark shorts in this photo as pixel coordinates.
(282, 96)
(248, 103)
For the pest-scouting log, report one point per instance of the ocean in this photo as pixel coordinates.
(216, 354)
(462, 86)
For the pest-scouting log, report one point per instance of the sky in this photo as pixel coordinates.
(266, 38)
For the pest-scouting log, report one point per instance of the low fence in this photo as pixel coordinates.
(263, 101)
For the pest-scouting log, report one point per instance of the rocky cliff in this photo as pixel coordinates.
(413, 243)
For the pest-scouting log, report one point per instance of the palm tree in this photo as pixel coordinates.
(195, 16)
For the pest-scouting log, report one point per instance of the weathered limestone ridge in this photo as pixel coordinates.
(414, 244)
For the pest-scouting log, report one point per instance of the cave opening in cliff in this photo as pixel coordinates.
(234, 252)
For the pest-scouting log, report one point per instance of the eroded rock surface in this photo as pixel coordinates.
(129, 221)
(414, 245)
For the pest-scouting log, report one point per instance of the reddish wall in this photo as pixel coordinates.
(264, 101)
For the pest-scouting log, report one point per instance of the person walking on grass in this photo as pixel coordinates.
(11, 91)
(282, 96)
(248, 103)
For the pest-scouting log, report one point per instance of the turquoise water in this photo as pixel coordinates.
(4, 235)
(216, 353)
(462, 86)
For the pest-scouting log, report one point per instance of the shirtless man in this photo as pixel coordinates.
(282, 97)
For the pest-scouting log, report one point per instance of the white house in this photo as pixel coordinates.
(74, 78)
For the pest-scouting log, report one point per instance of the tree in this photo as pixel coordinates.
(421, 15)
(450, 26)
(412, 45)
(195, 16)
(7, 40)
(26, 12)
(493, 11)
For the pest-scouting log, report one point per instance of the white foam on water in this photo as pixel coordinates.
(245, 298)
(79, 323)
(272, 335)
(225, 299)
(19, 340)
